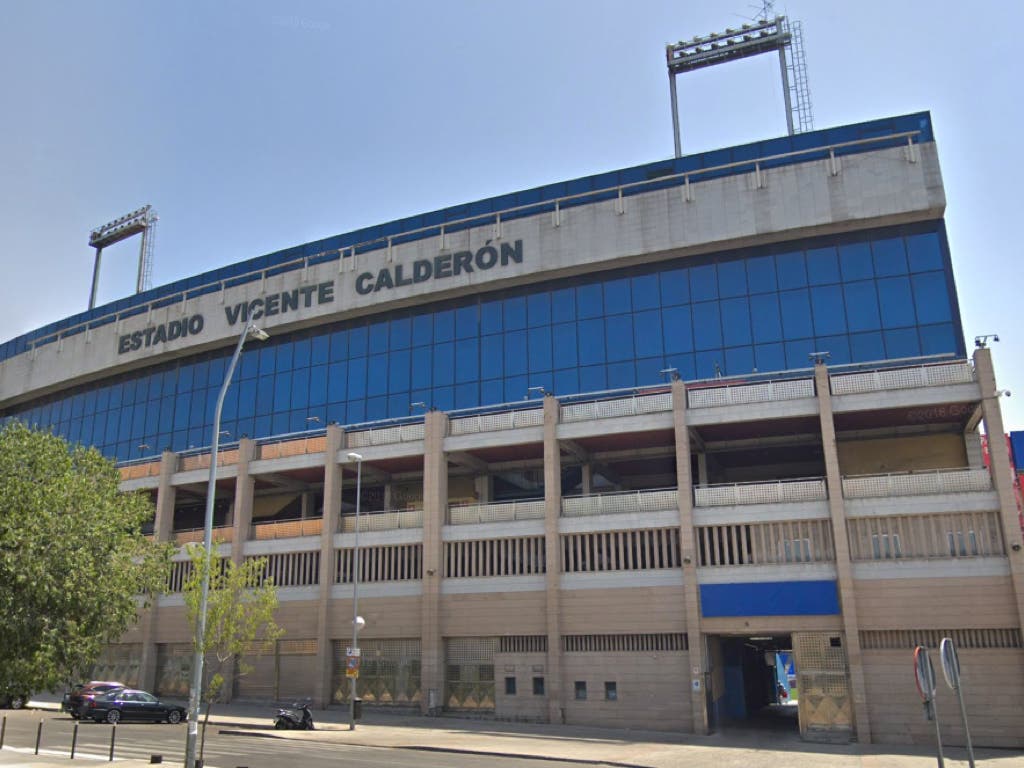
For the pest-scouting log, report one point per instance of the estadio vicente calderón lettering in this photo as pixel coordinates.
(439, 267)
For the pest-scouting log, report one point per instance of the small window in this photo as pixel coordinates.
(835, 642)
(538, 686)
(581, 690)
(510, 686)
(611, 691)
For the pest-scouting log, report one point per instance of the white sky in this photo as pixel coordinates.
(253, 126)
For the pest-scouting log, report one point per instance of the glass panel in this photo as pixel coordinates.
(491, 317)
(422, 367)
(444, 325)
(444, 365)
(621, 375)
(678, 327)
(896, 302)
(377, 375)
(732, 278)
(401, 333)
(467, 361)
(378, 337)
(591, 335)
(357, 342)
(769, 357)
(931, 297)
(890, 256)
(647, 333)
(398, 370)
(739, 360)
(822, 266)
(862, 306)
(761, 272)
(467, 322)
(735, 322)
(791, 269)
(540, 349)
(675, 287)
(828, 310)
(704, 283)
(515, 352)
(645, 292)
(538, 309)
(492, 356)
(617, 297)
(855, 260)
(925, 252)
(589, 301)
(564, 339)
(796, 314)
(707, 329)
(765, 318)
(356, 379)
(563, 305)
(619, 337)
(938, 339)
(902, 342)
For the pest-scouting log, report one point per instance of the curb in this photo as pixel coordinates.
(449, 750)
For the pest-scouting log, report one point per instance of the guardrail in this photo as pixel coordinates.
(746, 394)
(917, 483)
(774, 492)
(387, 520)
(495, 421)
(287, 529)
(496, 512)
(223, 533)
(938, 374)
(634, 405)
(295, 446)
(385, 435)
(621, 502)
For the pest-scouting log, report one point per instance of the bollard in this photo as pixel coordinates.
(3, 730)
(113, 735)
(39, 735)
(74, 739)
(156, 759)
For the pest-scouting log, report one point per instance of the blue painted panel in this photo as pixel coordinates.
(1017, 449)
(770, 598)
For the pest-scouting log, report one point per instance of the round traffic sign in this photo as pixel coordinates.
(924, 673)
(950, 663)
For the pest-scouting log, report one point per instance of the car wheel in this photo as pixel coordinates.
(17, 702)
(113, 716)
(174, 717)
(280, 725)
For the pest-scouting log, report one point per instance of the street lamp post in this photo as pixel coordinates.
(357, 620)
(211, 488)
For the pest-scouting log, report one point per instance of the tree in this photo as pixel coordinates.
(240, 610)
(75, 568)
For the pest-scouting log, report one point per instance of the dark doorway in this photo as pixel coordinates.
(754, 687)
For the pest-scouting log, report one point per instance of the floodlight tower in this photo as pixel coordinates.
(762, 36)
(141, 221)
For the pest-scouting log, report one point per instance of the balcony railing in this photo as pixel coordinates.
(221, 533)
(492, 422)
(398, 433)
(745, 394)
(139, 470)
(197, 460)
(934, 375)
(624, 502)
(287, 529)
(388, 520)
(634, 405)
(497, 512)
(774, 492)
(296, 446)
(936, 481)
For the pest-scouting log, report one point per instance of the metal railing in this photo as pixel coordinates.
(287, 529)
(221, 534)
(398, 433)
(388, 520)
(553, 206)
(633, 405)
(938, 374)
(918, 483)
(772, 492)
(495, 512)
(621, 502)
(746, 394)
(495, 421)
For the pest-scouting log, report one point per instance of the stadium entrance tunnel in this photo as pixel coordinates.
(753, 683)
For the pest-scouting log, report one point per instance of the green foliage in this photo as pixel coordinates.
(239, 615)
(74, 566)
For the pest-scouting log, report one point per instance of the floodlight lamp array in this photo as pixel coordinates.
(749, 40)
(121, 228)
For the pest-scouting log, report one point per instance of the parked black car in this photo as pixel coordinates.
(129, 704)
(83, 692)
(9, 700)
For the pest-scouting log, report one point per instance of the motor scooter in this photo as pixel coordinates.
(298, 718)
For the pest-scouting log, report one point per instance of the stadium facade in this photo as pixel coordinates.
(633, 448)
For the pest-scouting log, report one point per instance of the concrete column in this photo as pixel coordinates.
(702, 469)
(241, 526)
(387, 495)
(332, 511)
(435, 511)
(1002, 474)
(482, 485)
(587, 478)
(245, 486)
(307, 505)
(844, 568)
(163, 525)
(552, 561)
(699, 670)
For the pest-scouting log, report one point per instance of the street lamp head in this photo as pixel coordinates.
(359, 622)
(258, 333)
(354, 457)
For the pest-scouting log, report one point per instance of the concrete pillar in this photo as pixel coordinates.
(552, 562)
(245, 487)
(163, 525)
(483, 487)
(1002, 474)
(435, 511)
(702, 469)
(844, 568)
(387, 495)
(307, 505)
(699, 670)
(332, 511)
(587, 479)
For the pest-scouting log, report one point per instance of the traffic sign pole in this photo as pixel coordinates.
(951, 671)
(924, 676)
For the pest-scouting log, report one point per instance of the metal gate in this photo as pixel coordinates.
(469, 673)
(173, 669)
(119, 662)
(389, 672)
(823, 681)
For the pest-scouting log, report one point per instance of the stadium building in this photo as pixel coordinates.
(632, 448)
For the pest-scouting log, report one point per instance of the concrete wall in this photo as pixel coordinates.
(936, 603)
(902, 454)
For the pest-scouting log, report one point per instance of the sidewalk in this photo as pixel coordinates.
(584, 745)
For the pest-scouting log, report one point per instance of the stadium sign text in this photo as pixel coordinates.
(157, 334)
(439, 267)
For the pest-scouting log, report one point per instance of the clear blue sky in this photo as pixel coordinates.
(253, 126)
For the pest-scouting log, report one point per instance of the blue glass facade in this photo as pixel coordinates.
(869, 296)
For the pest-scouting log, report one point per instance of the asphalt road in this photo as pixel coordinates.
(140, 740)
